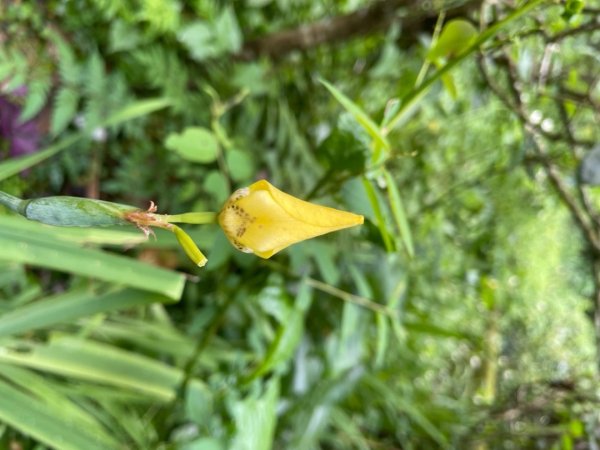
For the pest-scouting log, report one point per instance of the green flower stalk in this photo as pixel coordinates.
(69, 211)
(66, 211)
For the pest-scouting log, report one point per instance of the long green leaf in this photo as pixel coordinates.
(84, 235)
(361, 117)
(65, 308)
(52, 394)
(137, 109)
(45, 422)
(16, 165)
(91, 361)
(38, 249)
(381, 225)
(399, 214)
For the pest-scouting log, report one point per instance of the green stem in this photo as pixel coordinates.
(197, 218)
(13, 203)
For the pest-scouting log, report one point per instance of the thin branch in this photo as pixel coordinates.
(515, 104)
(371, 19)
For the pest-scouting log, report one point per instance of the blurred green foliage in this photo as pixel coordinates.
(458, 316)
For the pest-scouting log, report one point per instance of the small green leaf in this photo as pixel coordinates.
(240, 165)
(216, 184)
(36, 98)
(194, 144)
(457, 35)
(199, 39)
(228, 31)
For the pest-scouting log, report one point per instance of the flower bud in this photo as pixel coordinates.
(75, 212)
(263, 220)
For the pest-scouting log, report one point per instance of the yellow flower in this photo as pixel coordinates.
(263, 220)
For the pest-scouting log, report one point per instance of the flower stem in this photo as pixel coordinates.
(197, 218)
(11, 202)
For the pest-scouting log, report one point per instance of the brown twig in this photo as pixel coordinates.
(368, 20)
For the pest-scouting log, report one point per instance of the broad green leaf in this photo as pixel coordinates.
(399, 213)
(216, 184)
(200, 40)
(194, 144)
(227, 31)
(44, 421)
(255, 420)
(39, 249)
(66, 308)
(361, 117)
(240, 164)
(86, 360)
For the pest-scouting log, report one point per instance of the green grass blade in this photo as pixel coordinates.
(399, 214)
(84, 235)
(137, 109)
(361, 117)
(39, 250)
(66, 308)
(129, 112)
(381, 225)
(105, 364)
(45, 422)
(16, 165)
(52, 393)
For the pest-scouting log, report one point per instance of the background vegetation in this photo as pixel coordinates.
(465, 313)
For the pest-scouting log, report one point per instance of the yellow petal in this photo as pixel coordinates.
(263, 220)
